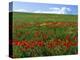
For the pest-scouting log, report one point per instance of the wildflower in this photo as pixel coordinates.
(32, 44)
(75, 37)
(36, 34)
(75, 44)
(49, 45)
(17, 43)
(40, 43)
(45, 36)
(68, 44)
(67, 37)
(27, 46)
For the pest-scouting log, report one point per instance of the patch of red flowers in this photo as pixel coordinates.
(28, 44)
(51, 44)
(69, 43)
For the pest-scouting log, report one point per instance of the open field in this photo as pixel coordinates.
(44, 34)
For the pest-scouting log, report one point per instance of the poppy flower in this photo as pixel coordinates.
(67, 37)
(67, 44)
(49, 45)
(36, 33)
(75, 37)
(75, 44)
(45, 36)
(17, 43)
(32, 44)
(40, 43)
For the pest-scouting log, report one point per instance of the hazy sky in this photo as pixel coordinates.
(44, 8)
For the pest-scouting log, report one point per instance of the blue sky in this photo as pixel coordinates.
(44, 8)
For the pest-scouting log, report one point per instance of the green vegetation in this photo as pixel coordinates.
(45, 30)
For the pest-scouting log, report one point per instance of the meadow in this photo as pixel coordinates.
(36, 34)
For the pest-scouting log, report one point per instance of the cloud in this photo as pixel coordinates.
(62, 10)
(21, 10)
(55, 10)
(37, 11)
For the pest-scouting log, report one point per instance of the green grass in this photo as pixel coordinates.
(33, 17)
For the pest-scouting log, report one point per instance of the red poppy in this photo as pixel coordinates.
(40, 43)
(45, 36)
(75, 44)
(23, 43)
(67, 37)
(36, 34)
(75, 37)
(49, 45)
(32, 44)
(17, 43)
(27, 46)
(68, 44)
(57, 42)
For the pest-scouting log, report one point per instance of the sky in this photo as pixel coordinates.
(44, 8)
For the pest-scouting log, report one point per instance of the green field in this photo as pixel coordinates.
(37, 34)
(37, 17)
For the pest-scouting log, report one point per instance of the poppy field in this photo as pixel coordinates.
(36, 35)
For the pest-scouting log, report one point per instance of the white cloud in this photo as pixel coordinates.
(62, 10)
(21, 10)
(55, 10)
(37, 11)
(68, 9)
